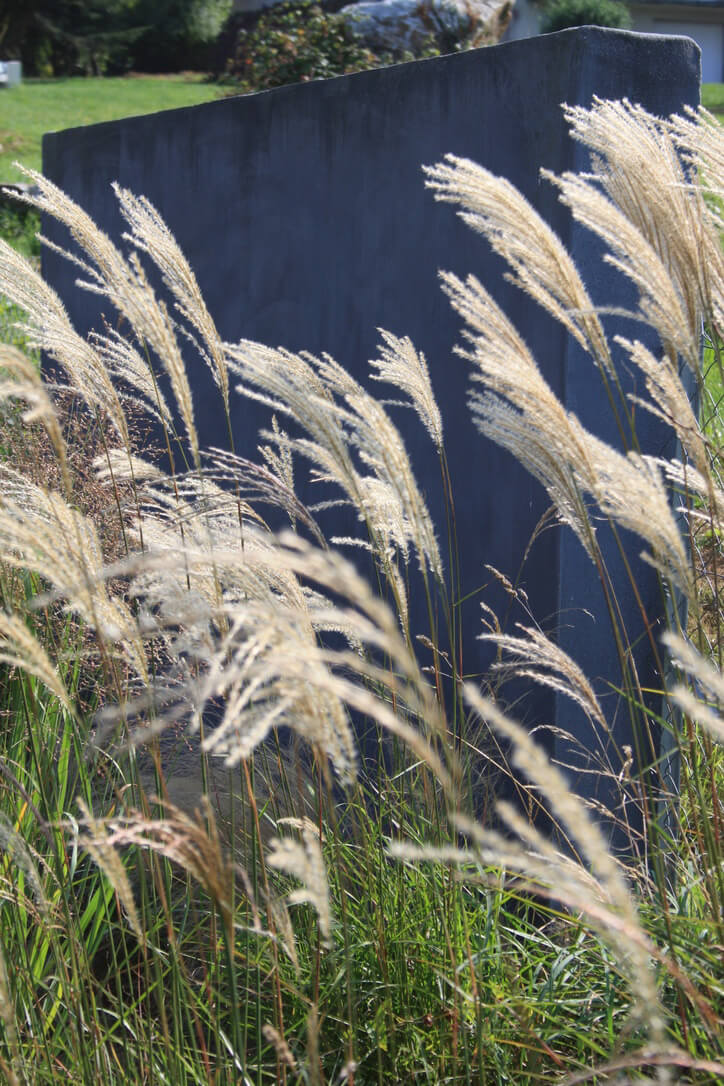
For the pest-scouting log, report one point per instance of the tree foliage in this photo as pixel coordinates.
(95, 37)
(561, 14)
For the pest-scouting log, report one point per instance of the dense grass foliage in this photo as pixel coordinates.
(198, 883)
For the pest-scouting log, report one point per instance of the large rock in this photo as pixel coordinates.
(400, 26)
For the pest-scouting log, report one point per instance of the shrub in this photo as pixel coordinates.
(561, 14)
(379, 932)
(298, 41)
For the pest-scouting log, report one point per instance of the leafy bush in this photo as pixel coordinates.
(298, 41)
(178, 34)
(308, 924)
(561, 14)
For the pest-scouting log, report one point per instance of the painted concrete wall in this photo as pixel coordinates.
(304, 214)
(708, 36)
(704, 26)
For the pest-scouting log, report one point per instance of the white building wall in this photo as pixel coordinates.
(708, 36)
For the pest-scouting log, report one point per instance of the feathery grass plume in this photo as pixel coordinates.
(279, 460)
(303, 860)
(698, 135)
(401, 365)
(255, 648)
(126, 286)
(540, 264)
(39, 531)
(269, 673)
(50, 330)
(154, 327)
(534, 655)
(367, 620)
(117, 464)
(150, 234)
(632, 493)
(269, 667)
(396, 696)
(636, 161)
(571, 813)
(193, 843)
(669, 400)
(519, 411)
(706, 676)
(102, 851)
(661, 304)
(254, 483)
(691, 481)
(193, 540)
(27, 384)
(342, 420)
(127, 368)
(19, 648)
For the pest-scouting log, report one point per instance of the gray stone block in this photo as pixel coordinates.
(304, 214)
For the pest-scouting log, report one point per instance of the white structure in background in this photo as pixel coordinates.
(702, 20)
(11, 72)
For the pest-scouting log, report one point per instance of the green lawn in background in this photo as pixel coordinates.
(712, 96)
(39, 106)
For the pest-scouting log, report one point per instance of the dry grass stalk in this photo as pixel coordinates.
(343, 421)
(26, 384)
(536, 656)
(405, 368)
(19, 648)
(303, 860)
(637, 163)
(126, 286)
(150, 234)
(540, 264)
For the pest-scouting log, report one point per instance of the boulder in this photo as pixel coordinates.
(399, 26)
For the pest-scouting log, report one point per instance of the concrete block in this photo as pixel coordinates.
(304, 215)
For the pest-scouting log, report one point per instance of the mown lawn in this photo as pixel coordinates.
(39, 106)
(712, 96)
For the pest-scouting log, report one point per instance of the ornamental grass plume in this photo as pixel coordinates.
(215, 629)
(519, 411)
(343, 420)
(124, 283)
(49, 329)
(637, 164)
(41, 533)
(539, 262)
(149, 234)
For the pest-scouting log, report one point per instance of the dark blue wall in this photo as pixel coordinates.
(304, 214)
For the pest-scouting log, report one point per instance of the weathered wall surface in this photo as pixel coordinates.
(304, 214)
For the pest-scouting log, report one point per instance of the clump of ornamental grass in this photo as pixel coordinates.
(202, 877)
